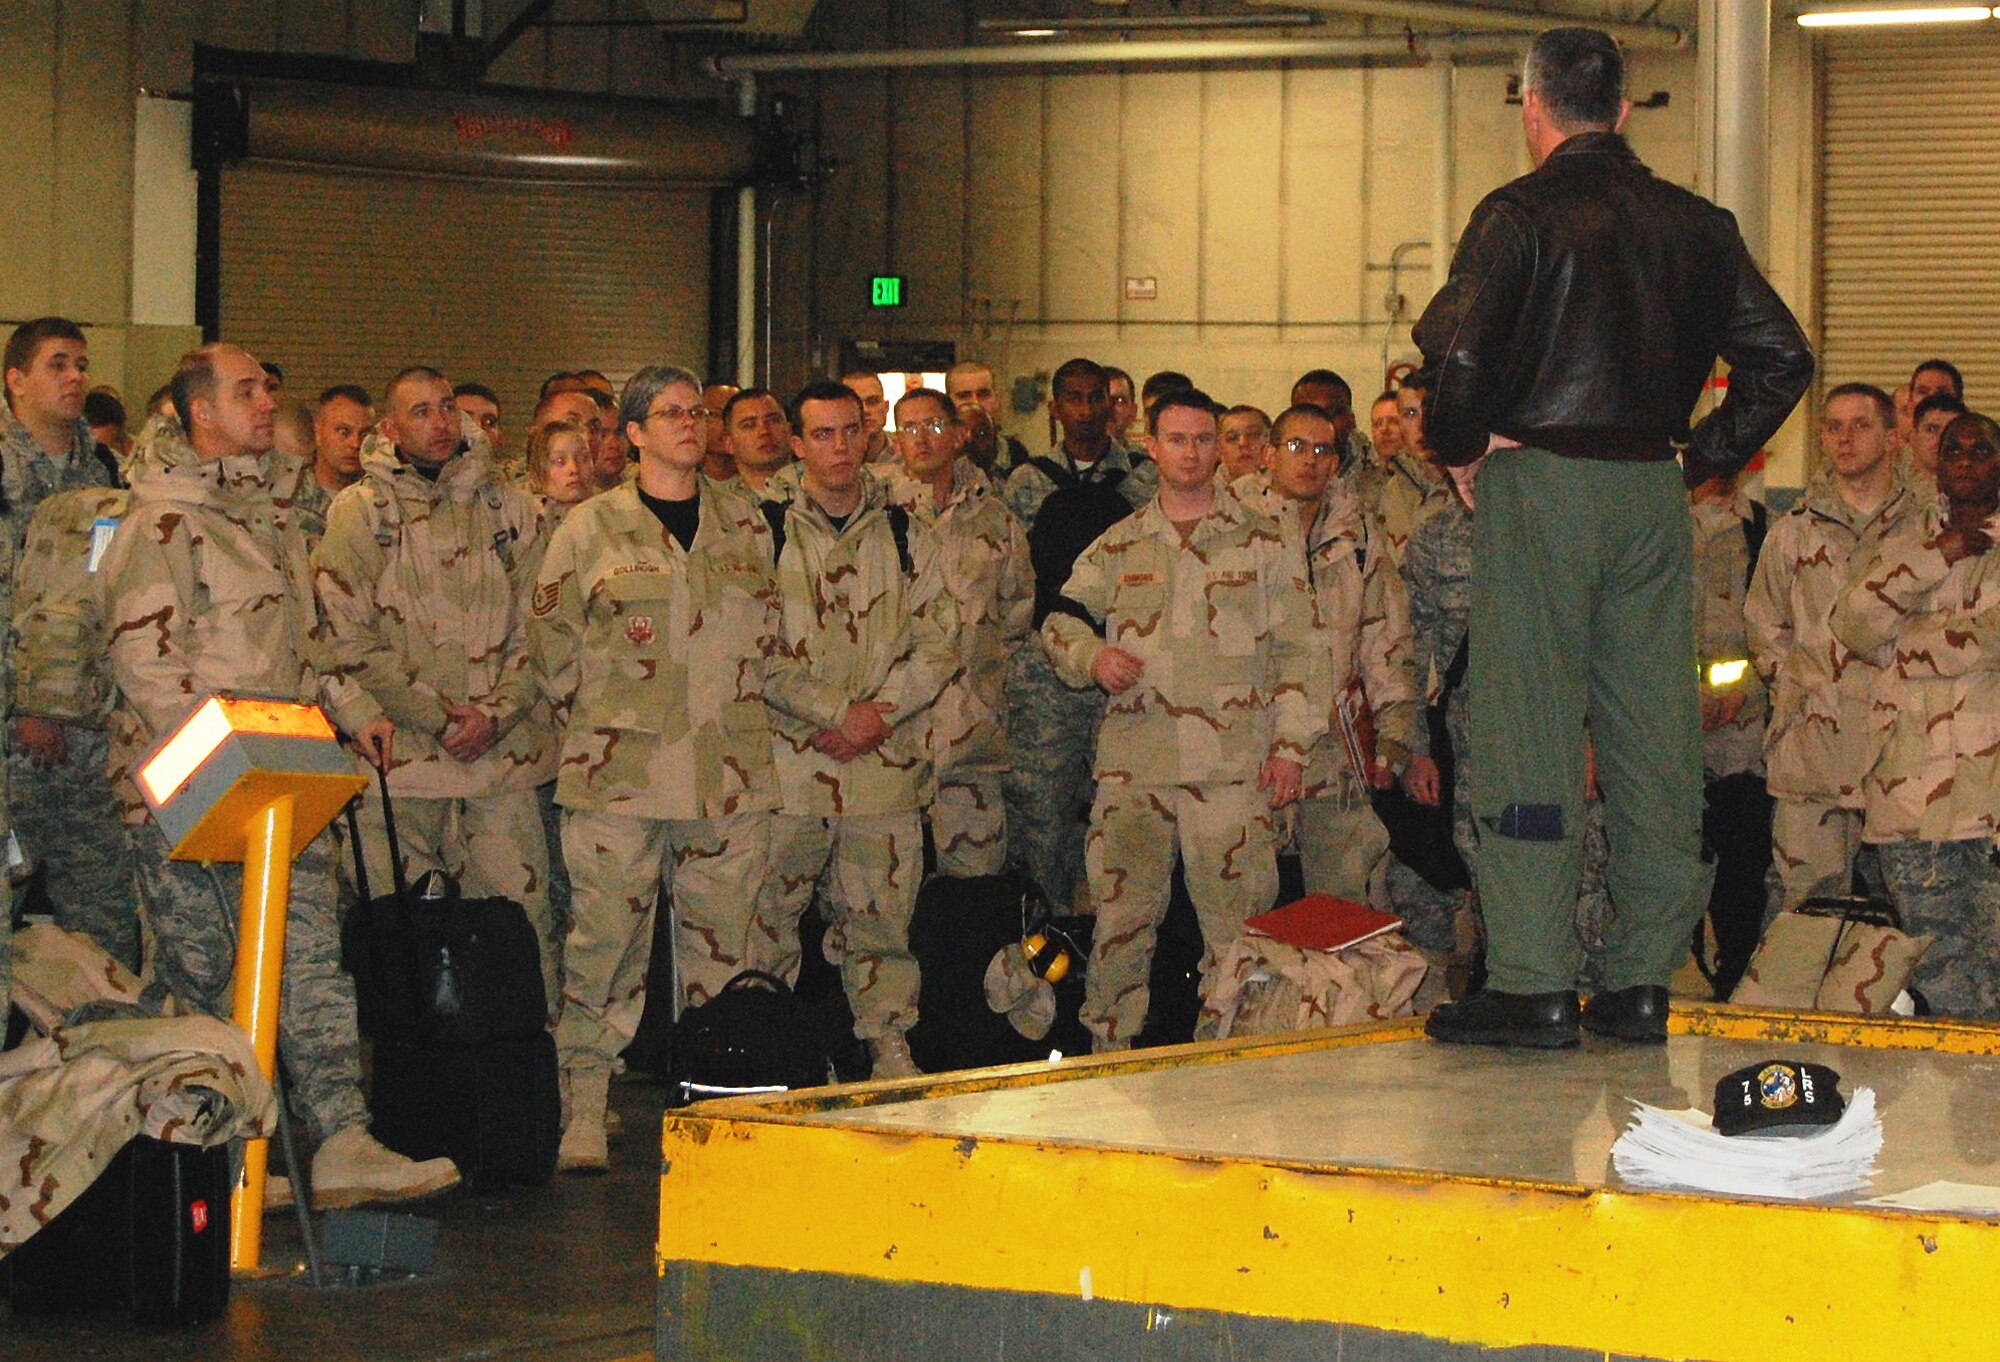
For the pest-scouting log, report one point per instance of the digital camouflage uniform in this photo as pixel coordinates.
(1051, 726)
(655, 657)
(1237, 670)
(1931, 783)
(308, 500)
(60, 674)
(1343, 847)
(983, 554)
(207, 589)
(856, 627)
(1736, 816)
(423, 590)
(1815, 747)
(64, 816)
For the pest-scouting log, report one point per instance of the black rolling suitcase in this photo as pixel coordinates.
(151, 1234)
(958, 927)
(449, 990)
(491, 1108)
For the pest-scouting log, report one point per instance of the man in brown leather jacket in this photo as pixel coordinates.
(1587, 305)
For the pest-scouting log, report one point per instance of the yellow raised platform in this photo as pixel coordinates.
(1363, 1193)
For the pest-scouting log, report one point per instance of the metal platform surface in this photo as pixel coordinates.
(1366, 1193)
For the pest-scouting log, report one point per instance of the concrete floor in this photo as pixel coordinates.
(562, 1273)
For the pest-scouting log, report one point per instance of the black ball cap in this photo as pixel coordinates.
(1778, 1097)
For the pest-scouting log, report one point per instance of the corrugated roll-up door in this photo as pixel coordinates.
(346, 276)
(1910, 206)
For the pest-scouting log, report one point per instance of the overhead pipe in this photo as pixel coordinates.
(1735, 78)
(1159, 52)
(1487, 18)
(1444, 172)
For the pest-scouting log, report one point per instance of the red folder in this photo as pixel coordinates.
(1321, 922)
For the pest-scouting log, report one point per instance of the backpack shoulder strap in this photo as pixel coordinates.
(774, 516)
(1754, 530)
(899, 530)
(504, 534)
(1057, 474)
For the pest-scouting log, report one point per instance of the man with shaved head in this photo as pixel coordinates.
(421, 577)
(207, 589)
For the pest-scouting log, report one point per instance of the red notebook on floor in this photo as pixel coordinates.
(1321, 922)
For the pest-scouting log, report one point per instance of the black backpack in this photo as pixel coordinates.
(1070, 520)
(753, 1036)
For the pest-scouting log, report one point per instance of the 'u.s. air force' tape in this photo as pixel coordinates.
(101, 531)
(1776, 1093)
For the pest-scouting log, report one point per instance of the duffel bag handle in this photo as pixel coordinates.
(755, 978)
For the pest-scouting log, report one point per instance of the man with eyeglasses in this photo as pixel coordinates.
(422, 577)
(1196, 619)
(984, 557)
(867, 647)
(759, 436)
(1343, 847)
(653, 621)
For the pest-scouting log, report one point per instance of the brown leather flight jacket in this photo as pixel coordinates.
(1586, 306)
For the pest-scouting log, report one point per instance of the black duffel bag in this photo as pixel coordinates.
(753, 1036)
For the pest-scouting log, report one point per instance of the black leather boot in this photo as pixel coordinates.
(1539, 1021)
(1637, 1014)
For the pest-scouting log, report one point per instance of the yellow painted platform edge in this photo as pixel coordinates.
(1473, 1260)
(1493, 1261)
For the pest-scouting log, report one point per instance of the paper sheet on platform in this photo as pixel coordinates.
(1961, 1198)
(1668, 1149)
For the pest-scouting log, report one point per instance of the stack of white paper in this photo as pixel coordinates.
(1681, 1149)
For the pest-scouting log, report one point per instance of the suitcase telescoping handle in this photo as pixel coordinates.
(416, 967)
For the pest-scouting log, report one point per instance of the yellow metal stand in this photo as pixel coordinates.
(260, 958)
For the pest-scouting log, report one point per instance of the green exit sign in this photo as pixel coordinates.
(885, 290)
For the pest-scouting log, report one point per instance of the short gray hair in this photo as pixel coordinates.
(1579, 73)
(647, 384)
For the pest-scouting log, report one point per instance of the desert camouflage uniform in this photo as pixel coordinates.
(983, 554)
(1931, 783)
(7, 561)
(1412, 492)
(1237, 670)
(207, 589)
(1343, 847)
(655, 657)
(422, 587)
(856, 627)
(1051, 726)
(66, 820)
(1815, 747)
(72, 827)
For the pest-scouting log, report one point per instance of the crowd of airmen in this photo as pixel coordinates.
(756, 653)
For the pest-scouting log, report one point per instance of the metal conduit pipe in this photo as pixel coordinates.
(1163, 52)
(746, 256)
(1460, 16)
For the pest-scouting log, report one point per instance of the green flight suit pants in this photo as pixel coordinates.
(1583, 632)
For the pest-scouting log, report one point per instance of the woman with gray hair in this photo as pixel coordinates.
(652, 621)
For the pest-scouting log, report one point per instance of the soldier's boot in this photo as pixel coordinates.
(892, 1057)
(352, 1168)
(585, 1146)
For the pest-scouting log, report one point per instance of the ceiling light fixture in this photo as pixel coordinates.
(1875, 18)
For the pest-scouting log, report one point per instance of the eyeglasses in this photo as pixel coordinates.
(674, 415)
(937, 425)
(1300, 445)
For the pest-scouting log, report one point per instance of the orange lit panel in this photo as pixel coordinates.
(276, 718)
(192, 744)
